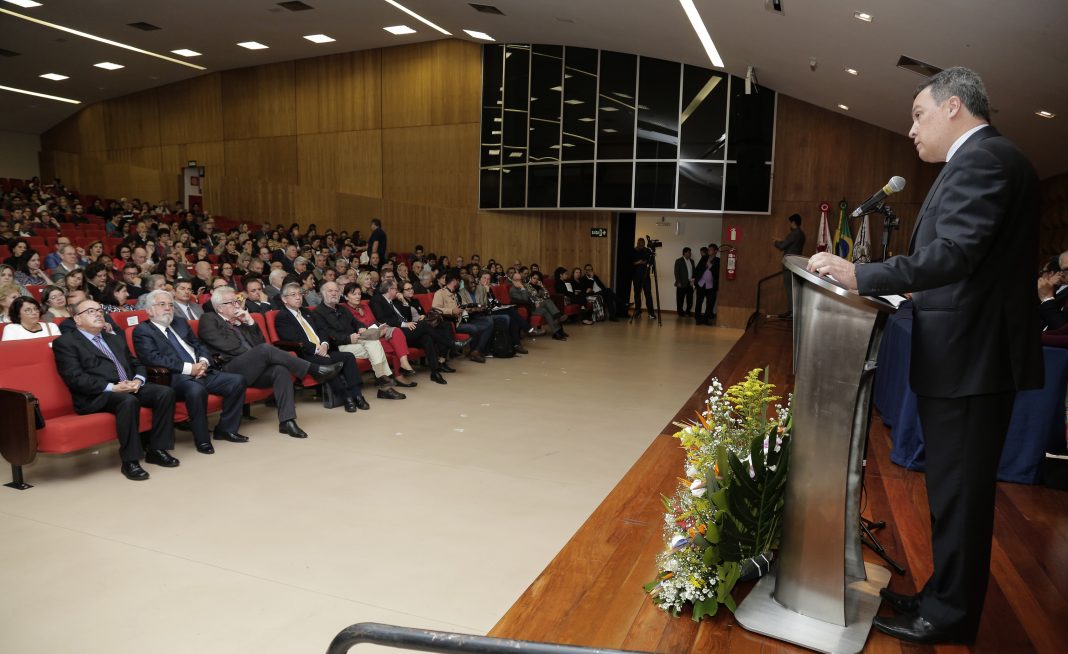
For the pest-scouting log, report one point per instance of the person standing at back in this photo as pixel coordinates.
(793, 243)
(684, 283)
(975, 338)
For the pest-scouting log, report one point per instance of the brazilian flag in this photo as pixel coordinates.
(843, 238)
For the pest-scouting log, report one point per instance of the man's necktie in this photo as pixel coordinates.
(183, 354)
(98, 340)
(312, 336)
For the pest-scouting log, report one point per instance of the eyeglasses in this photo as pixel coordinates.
(92, 311)
(223, 304)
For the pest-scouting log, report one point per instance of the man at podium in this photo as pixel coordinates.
(975, 338)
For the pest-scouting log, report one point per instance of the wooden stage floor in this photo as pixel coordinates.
(591, 593)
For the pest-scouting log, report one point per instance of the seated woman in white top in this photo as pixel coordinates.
(25, 314)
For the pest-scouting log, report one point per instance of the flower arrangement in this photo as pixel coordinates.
(724, 521)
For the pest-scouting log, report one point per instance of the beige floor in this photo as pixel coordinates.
(436, 511)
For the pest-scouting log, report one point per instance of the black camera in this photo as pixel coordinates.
(653, 243)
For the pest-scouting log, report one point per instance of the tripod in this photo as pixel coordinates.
(890, 223)
(867, 527)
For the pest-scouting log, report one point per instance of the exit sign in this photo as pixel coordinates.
(599, 232)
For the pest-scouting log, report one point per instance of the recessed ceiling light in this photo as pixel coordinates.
(55, 77)
(252, 45)
(39, 95)
(609, 130)
(609, 108)
(475, 34)
(319, 38)
(100, 39)
(843, 107)
(702, 32)
(1045, 114)
(860, 15)
(852, 71)
(28, 4)
(418, 17)
(585, 119)
(186, 52)
(107, 65)
(572, 101)
(399, 29)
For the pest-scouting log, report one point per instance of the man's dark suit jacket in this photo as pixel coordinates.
(290, 330)
(222, 339)
(336, 325)
(383, 310)
(975, 329)
(587, 284)
(1055, 312)
(253, 306)
(87, 371)
(682, 273)
(156, 350)
(699, 270)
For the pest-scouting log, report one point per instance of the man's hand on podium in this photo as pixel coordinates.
(844, 272)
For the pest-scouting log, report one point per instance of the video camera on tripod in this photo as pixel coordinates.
(653, 243)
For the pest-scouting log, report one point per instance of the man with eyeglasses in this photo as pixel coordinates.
(293, 324)
(591, 284)
(104, 377)
(167, 340)
(131, 274)
(54, 258)
(402, 310)
(232, 334)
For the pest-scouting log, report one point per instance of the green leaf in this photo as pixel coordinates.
(707, 606)
(712, 535)
(754, 506)
(710, 556)
(719, 498)
(651, 585)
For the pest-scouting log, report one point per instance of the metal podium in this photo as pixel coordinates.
(821, 594)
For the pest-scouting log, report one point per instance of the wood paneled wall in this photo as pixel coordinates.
(332, 140)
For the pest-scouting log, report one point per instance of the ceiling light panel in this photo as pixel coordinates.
(27, 4)
(702, 32)
(252, 45)
(319, 38)
(1045, 114)
(843, 107)
(99, 39)
(399, 30)
(418, 17)
(186, 52)
(55, 77)
(482, 36)
(107, 65)
(852, 71)
(860, 15)
(40, 95)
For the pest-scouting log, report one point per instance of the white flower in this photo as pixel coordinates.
(676, 540)
(700, 492)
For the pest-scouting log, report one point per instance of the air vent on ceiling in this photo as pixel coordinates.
(773, 5)
(916, 66)
(486, 9)
(8, 53)
(148, 27)
(295, 5)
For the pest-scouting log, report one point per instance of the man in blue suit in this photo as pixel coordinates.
(975, 338)
(167, 341)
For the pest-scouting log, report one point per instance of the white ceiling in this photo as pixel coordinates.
(1018, 46)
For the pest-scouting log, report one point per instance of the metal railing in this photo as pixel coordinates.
(425, 640)
(754, 319)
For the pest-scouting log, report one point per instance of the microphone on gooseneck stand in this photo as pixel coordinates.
(895, 185)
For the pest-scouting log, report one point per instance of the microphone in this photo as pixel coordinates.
(893, 186)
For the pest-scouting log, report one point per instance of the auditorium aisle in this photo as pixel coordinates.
(437, 511)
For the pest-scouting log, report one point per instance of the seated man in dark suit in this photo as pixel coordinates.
(293, 324)
(238, 343)
(69, 325)
(104, 377)
(1053, 293)
(256, 301)
(166, 340)
(591, 284)
(388, 310)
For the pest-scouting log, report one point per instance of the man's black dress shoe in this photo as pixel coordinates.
(404, 384)
(290, 428)
(325, 373)
(382, 382)
(437, 378)
(221, 435)
(446, 368)
(350, 406)
(361, 403)
(161, 458)
(559, 337)
(391, 394)
(914, 628)
(134, 471)
(205, 448)
(900, 603)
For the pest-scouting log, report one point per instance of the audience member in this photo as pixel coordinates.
(24, 314)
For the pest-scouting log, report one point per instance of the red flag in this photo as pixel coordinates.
(823, 241)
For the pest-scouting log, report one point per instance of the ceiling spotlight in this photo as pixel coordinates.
(399, 30)
(482, 36)
(843, 107)
(852, 71)
(319, 38)
(186, 52)
(107, 65)
(860, 15)
(55, 77)
(252, 45)
(1045, 114)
